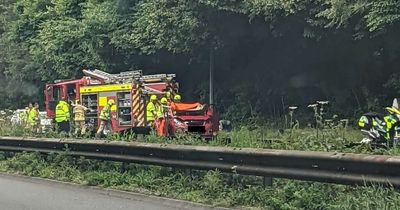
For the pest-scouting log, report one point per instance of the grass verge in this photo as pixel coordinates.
(211, 187)
(331, 139)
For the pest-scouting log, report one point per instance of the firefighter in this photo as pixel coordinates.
(151, 113)
(33, 118)
(177, 99)
(27, 110)
(161, 121)
(105, 117)
(79, 117)
(391, 121)
(62, 116)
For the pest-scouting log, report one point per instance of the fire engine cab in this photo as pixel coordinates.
(131, 91)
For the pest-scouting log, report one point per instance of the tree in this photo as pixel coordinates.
(163, 24)
(268, 53)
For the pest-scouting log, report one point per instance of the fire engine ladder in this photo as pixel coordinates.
(157, 77)
(113, 78)
(128, 76)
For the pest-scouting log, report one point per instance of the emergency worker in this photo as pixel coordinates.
(161, 121)
(177, 99)
(28, 109)
(62, 116)
(79, 118)
(151, 113)
(161, 108)
(391, 121)
(33, 119)
(105, 117)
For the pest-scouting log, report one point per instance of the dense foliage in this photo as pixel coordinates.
(268, 54)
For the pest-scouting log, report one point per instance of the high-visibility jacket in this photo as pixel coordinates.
(62, 112)
(390, 120)
(160, 111)
(150, 109)
(105, 113)
(33, 116)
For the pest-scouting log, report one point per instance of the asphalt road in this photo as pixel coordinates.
(23, 193)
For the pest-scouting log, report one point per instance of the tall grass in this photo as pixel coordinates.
(335, 139)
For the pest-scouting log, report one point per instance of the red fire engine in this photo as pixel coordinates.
(131, 91)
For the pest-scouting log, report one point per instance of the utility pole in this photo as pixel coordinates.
(211, 60)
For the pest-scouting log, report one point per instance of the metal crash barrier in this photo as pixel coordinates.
(329, 167)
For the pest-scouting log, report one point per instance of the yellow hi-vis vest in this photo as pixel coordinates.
(33, 116)
(150, 109)
(62, 112)
(160, 111)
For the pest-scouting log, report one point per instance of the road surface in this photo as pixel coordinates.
(23, 193)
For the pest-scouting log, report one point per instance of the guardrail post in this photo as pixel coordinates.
(8, 154)
(124, 166)
(267, 181)
(140, 137)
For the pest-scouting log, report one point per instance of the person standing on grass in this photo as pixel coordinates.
(33, 118)
(161, 121)
(151, 113)
(105, 118)
(62, 116)
(79, 118)
(28, 110)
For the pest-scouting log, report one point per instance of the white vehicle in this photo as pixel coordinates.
(44, 121)
(16, 117)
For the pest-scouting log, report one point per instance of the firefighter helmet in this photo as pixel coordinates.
(363, 122)
(111, 102)
(177, 97)
(168, 94)
(153, 97)
(164, 100)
